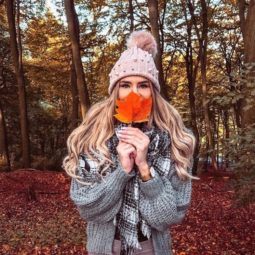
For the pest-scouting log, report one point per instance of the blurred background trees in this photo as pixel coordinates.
(55, 57)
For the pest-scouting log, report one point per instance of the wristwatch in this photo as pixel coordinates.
(152, 173)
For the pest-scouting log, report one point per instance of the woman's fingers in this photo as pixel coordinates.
(127, 147)
(139, 142)
(135, 134)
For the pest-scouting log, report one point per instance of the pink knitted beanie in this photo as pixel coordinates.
(136, 60)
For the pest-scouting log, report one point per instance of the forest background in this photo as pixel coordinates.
(55, 60)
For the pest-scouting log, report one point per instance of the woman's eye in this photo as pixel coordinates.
(144, 86)
(124, 86)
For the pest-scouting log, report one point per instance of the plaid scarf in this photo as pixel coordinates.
(129, 218)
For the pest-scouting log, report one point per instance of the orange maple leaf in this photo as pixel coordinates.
(133, 108)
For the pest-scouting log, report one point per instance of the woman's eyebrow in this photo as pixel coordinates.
(141, 82)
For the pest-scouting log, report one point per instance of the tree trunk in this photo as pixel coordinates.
(4, 151)
(249, 35)
(73, 27)
(16, 53)
(191, 72)
(232, 83)
(203, 66)
(131, 15)
(248, 30)
(241, 6)
(202, 55)
(217, 130)
(225, 120)
(154, 22)
(75, 101)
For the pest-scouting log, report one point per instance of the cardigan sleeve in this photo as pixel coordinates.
(164, 199)
(101, 201)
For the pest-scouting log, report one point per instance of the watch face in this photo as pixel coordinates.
(152, 172)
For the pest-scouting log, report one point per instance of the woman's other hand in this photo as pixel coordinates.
(140, 141)
(126, 154)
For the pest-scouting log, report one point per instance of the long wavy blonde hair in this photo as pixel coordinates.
(98, 126)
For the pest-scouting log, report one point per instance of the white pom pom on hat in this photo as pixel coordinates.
(143, 40)
(136, 60)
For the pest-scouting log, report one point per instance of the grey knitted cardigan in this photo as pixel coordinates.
(163, 200)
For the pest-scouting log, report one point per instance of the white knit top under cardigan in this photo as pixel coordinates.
(163, 200)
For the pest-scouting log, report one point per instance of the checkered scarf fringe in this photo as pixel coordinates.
(128, 218)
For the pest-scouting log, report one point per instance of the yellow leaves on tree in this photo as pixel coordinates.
(133, 108)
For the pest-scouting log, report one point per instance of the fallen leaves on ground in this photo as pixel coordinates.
(51, 223)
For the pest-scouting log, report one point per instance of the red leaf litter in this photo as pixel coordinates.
(38, 217)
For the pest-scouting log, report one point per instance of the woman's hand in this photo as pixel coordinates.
(125, 150)
(140, 141)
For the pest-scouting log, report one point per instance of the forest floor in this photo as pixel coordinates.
(38, 217)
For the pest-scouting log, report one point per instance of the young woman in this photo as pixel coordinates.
(130, 182)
